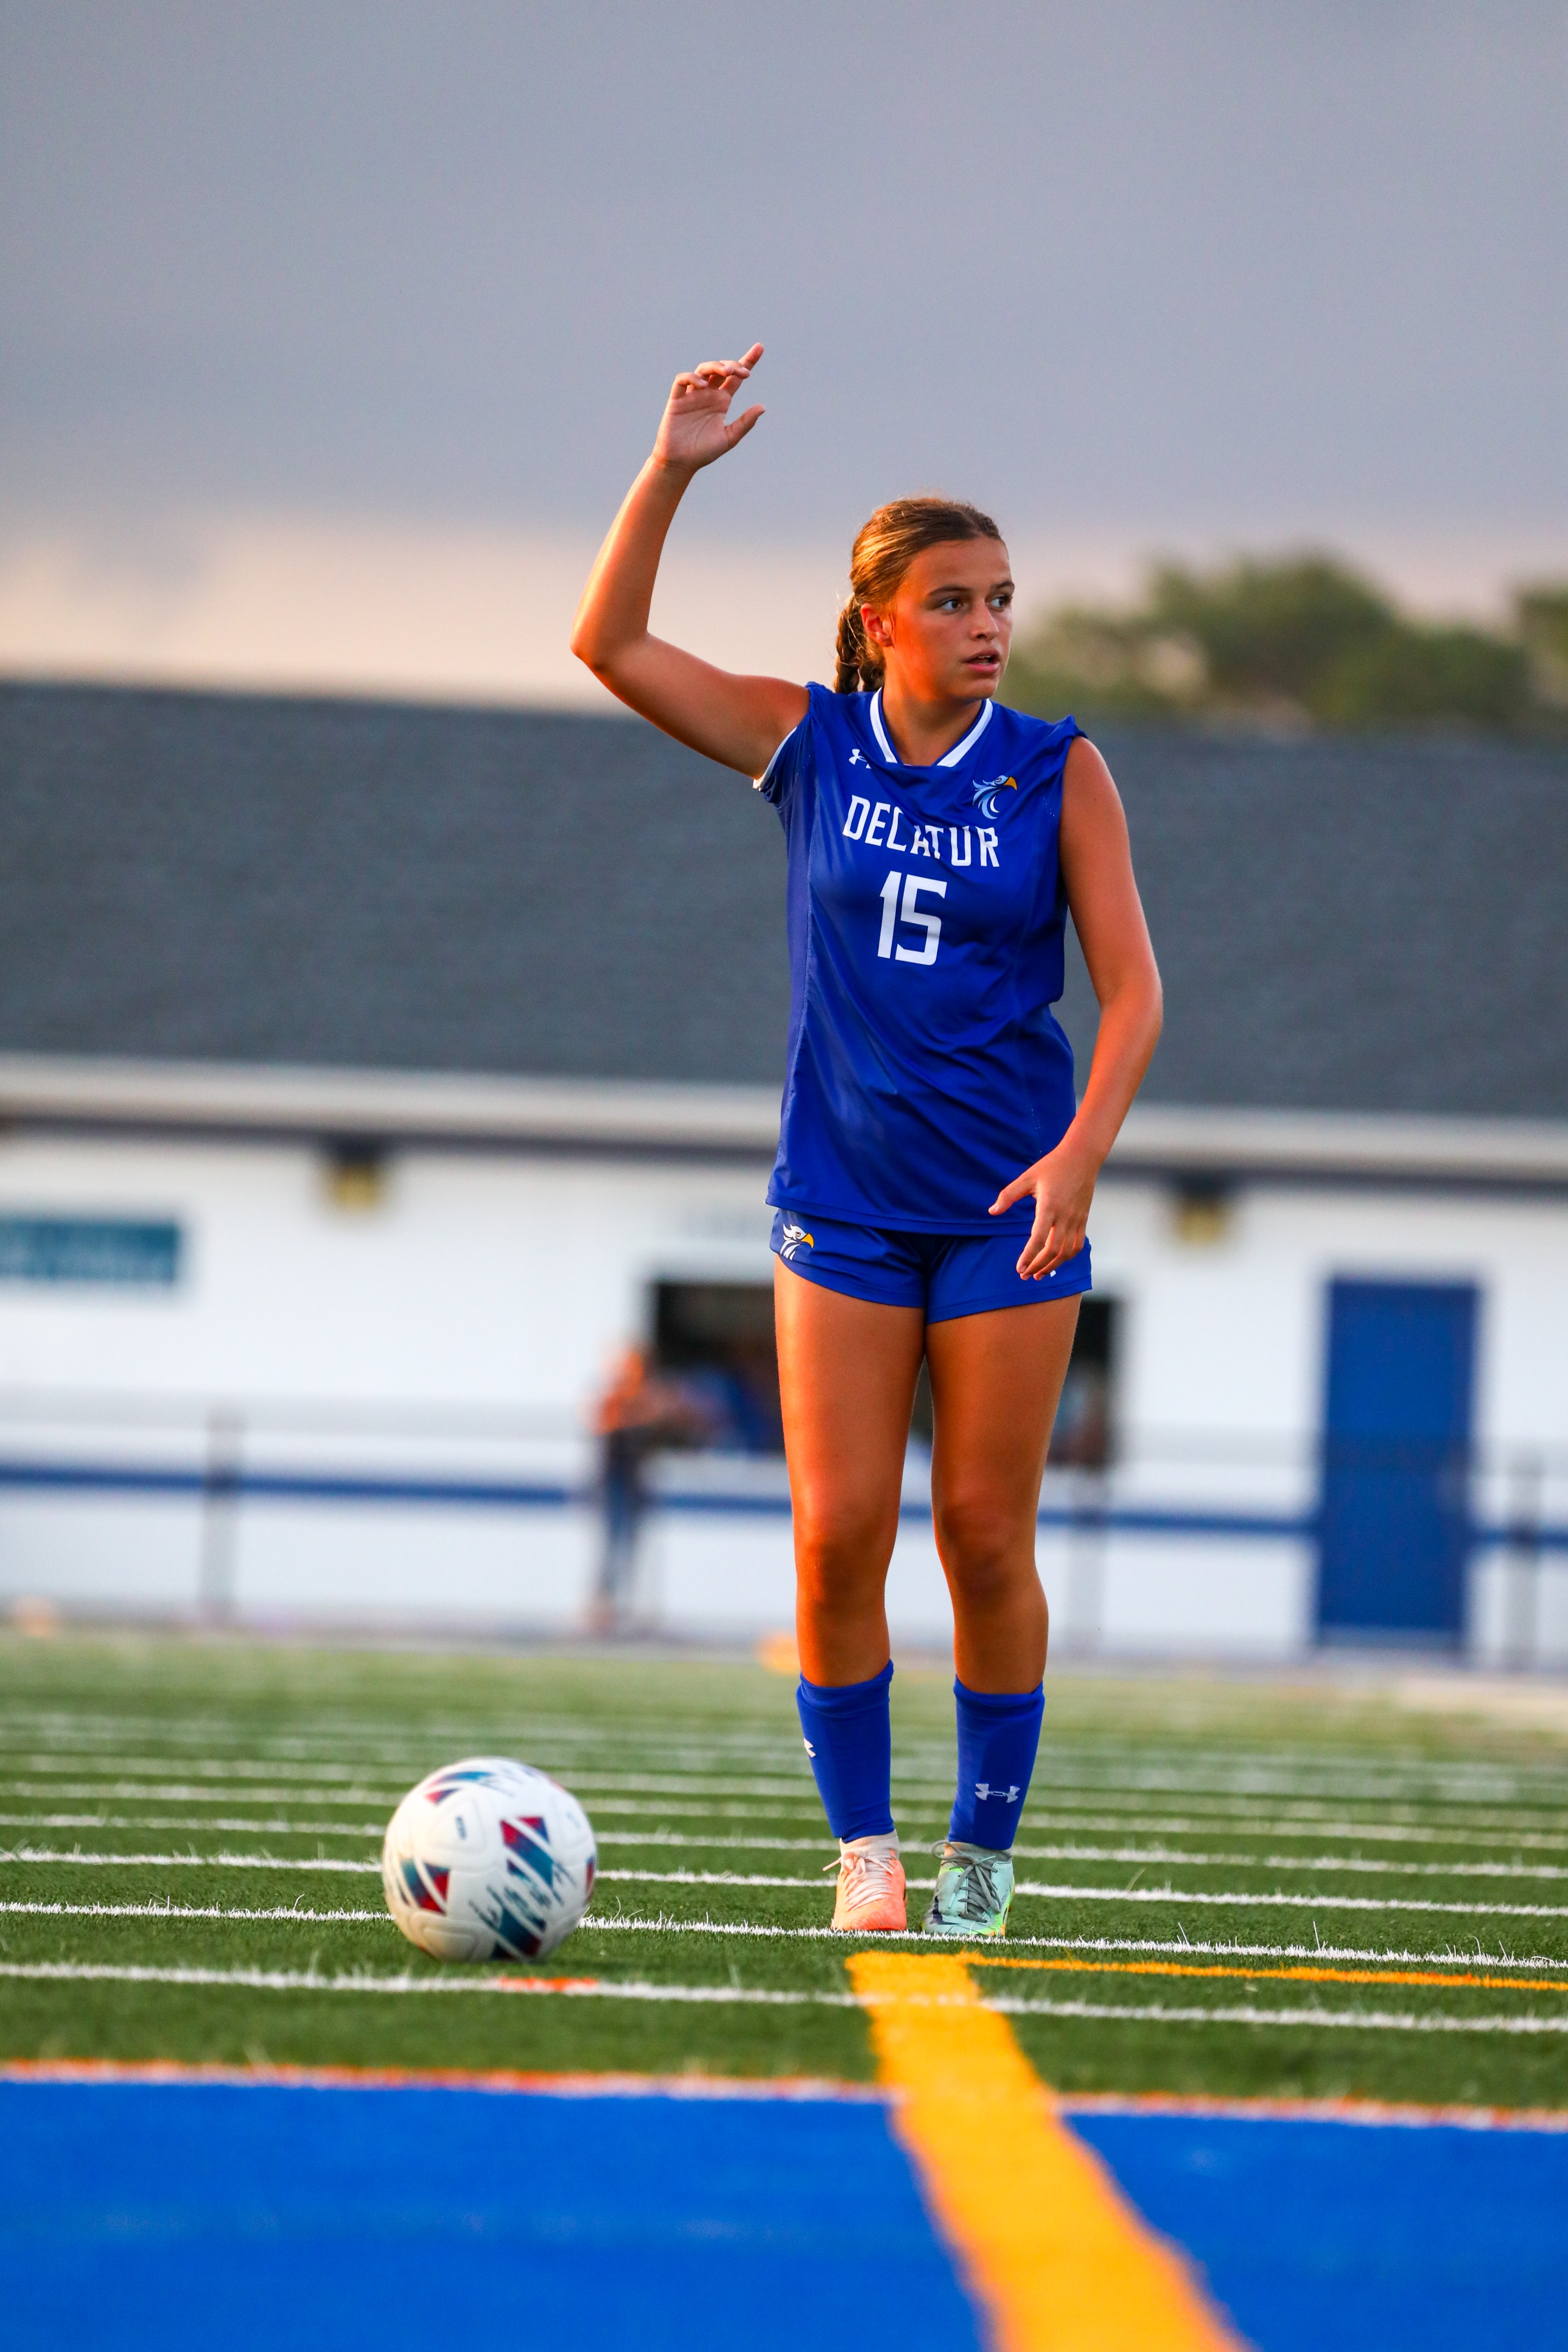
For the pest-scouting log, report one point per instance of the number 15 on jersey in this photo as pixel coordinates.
(913, 914)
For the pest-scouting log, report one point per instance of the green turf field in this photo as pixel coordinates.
(211, 1812)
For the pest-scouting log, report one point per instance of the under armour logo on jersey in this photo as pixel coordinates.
(983, 1789)
(858, 759)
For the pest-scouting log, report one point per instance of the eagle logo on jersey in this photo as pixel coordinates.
(986, 794)
(795, 1237)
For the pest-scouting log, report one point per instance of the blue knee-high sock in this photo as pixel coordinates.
(850, 1742)
(998, 1733)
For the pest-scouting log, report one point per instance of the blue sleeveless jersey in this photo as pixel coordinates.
(925, 912)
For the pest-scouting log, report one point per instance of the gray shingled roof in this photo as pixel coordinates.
(1343, 924)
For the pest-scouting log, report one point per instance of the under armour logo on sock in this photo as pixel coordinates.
(810, 1749)
(983, 1789)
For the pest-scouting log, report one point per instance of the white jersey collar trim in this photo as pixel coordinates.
(960, 750)
(949, 759)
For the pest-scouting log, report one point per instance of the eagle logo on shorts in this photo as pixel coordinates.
(795, 1237)
(986, 794)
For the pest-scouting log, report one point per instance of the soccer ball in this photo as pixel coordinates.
(488, 1858)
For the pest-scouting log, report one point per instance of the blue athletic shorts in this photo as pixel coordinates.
(947, 1274)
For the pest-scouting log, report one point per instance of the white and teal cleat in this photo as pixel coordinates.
(974, 1892)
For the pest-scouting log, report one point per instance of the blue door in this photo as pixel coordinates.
(1394, 1524)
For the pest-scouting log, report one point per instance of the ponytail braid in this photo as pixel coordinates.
(883, 551)
(860, 664)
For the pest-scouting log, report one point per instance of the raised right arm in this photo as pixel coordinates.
(739, 721)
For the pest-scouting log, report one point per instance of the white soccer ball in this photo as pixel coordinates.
(487, 1858)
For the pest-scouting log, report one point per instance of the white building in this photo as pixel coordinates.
(366, 1077)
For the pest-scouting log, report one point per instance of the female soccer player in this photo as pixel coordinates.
(935, 1172)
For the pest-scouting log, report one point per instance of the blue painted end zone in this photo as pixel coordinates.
(1377, 2236)
(155, 2215)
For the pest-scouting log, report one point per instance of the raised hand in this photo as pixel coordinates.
(696, 426)
(738, 721)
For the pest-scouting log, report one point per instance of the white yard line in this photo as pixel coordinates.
(238, 1769)
(307, 1980)
(175, 1793)
(234, 1823)
(803, 1807)
(1372, 2020)
(781, 1809)
(728, 1878)
(1183, 1947)
(283, 1826)
(401, 1734)
(1316, 1900)
(1371, 1955)
(350, 1748)
(688, 1798)
(25, 1855)
(737, 1996)
(1361, 1863)
(1075, 1852)
(1399, 1785)
(283, 1911)
(220, 1788)
(1246, 1775)
(1383, 1833)
(1390, 1823)
(1257, 1791)
(807, 1807)
(153, 1775)
(1096, 1765)
(1108, 1894)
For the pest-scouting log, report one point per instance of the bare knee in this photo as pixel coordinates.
(985, 1550)
(842, 1547)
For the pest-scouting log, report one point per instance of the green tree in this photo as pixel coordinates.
(1302, 639)
(1423, 676)
(1271, 631)
(1541, 615)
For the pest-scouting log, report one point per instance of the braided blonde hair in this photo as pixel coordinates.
(883, 551)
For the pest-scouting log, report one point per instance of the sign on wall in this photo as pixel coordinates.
(123, 1251)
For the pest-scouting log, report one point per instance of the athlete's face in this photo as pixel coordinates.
(947, 630)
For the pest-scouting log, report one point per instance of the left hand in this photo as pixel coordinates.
(1063, 1186)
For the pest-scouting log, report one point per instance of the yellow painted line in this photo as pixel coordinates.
(1261, 1976)
(1054, 2254)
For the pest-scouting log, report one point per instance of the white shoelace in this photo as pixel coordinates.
(861, 1866)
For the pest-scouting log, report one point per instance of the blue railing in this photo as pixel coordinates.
(223, 1478)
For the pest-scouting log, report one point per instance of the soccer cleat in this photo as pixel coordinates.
(974, 1892)
(870, 1898)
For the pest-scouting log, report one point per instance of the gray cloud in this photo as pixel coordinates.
(1216, 263)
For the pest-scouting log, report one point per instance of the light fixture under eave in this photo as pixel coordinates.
(1203, 1211)
(355, 1175)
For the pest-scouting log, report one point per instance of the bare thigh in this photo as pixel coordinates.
(996, 1383)
(847, 1369)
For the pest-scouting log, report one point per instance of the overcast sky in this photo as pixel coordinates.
(1162, 273)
